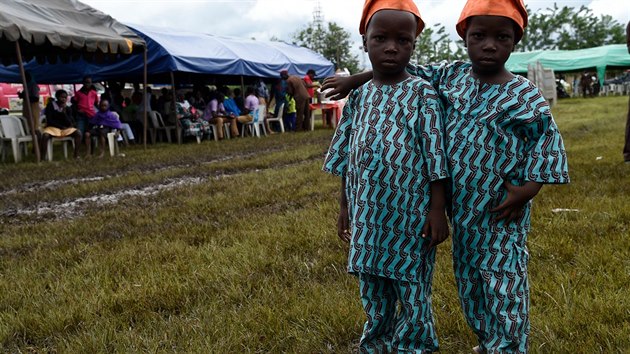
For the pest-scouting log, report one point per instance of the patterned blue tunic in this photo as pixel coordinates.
(389, 146)
(495, 133)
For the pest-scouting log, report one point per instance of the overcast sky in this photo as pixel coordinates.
(263, 19)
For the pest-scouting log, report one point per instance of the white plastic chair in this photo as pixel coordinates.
(278, 118)
(257, 123)
(13, 133)
(157, 125)
(65, 140)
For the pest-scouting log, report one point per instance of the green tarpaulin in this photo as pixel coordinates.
(614, 56)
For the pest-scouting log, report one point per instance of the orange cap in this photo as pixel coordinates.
(373, 6)
(512, 9)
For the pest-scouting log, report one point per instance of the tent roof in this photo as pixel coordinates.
(185, 52)
(66, 29)
(172, 50)
(614, 55)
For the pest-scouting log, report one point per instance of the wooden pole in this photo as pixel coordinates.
(27, 99)
(145, 100)
(174, 109)
(242, 86)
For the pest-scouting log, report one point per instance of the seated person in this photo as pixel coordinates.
(251, 106)
(189, 118)
(216, 110)
(59, 123)
(238, 98)
(103, 122)
(132, 115)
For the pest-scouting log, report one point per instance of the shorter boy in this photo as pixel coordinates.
(389, 151)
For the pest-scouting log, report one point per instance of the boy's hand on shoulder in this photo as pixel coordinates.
(435, 227)
(337, 84)
(517, 196)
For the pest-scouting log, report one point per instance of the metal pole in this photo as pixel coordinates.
(145, 100)
(174, 109)
(31, 121)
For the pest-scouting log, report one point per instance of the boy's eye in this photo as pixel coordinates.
(476, 35)
(379, 38)
(404, 40)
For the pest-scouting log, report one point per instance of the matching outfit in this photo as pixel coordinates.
(388, 147)
(495, 134)
(393, 141)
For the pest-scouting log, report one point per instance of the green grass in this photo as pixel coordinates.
(246, 258)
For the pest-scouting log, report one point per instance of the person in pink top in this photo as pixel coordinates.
(250, 104)
(308, 82)
(85, 99)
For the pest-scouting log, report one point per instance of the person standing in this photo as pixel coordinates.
(626, 148)
(310, 86)
(389, 151)
(32, 90)
(85, 99)
(297, 89)
(502, 146)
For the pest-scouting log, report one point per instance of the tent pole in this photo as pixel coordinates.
(174, 109)
(27, 98)
(242, 86)
(146, 102)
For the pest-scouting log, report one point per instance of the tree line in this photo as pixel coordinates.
(563, 28)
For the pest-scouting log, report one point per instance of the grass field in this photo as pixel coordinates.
(231, 247)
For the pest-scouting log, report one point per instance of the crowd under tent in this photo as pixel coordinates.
(52, 31)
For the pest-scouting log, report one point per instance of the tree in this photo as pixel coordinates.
(434, 45)
(332, 41)
(570, 28)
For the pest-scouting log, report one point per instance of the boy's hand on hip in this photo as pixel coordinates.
(517, 196)
(435, 227)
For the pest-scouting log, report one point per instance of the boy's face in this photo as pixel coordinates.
(490, 41)
(103, 106)
(389, 40)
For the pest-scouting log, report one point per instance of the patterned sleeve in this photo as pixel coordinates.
(432, 134)
(336, 161)
(431, 73)
(546, 158)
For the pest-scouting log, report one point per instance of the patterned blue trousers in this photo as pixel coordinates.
(399, 316)
(496, 306)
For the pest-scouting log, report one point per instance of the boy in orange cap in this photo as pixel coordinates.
(502, 144)
(388, 149)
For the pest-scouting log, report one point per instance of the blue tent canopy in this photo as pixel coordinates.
(195, 53)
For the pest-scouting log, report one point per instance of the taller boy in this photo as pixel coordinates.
(389, 150)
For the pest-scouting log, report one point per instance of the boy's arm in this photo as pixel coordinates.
(341, 86)
(436, 226)
(517, 196)
(343, 222)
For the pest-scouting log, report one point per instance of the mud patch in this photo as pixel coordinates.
(76, 208)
